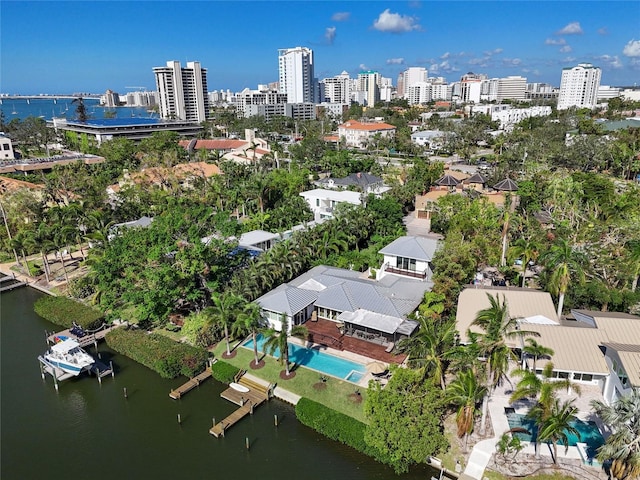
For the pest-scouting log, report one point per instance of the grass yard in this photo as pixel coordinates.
(335, 395)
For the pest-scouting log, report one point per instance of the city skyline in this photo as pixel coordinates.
(115, 45)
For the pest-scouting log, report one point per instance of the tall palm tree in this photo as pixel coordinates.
(277, 340)
(249, 320)
(465, 392)
(543, 388)
(526, 250)
(428, 349)
(564, 261)
(535, 350)
(622, 447)
(498, 327)
(558, 425)
(223, 312)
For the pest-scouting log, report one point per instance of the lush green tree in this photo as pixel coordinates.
(465, 393)
(405, 419)
(565, 262)
(223, 312)
(278, 341)
(525, 250)
(249, 320)
(534, 350)
(622, 447)
(498, 327)
(558, 425)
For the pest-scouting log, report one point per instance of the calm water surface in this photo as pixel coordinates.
(90, 431)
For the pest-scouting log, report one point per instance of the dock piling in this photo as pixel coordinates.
(275, 420)
(125, 392)
(111, 367)
(179, 420)
(214, 422)
(246, 441)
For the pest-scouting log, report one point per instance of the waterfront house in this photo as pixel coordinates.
(592, 348)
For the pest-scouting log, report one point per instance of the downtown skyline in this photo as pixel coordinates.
(94, 46)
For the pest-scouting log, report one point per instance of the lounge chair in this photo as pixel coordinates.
(390, 347)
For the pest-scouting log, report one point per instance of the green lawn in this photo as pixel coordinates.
(335, 395)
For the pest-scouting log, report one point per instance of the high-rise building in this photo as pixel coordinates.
(296, 76)
(411, 76)
(579, 86)
(182, 92)
(336, 89)
(471, 87)
(369, 82)
(512, 88)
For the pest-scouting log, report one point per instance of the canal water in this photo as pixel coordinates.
(89, 430)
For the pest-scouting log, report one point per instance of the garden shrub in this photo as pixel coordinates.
(159, 353)
(64, 311)
(336, 426)
(224, 372)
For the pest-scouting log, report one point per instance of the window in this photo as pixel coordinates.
(5, 146)
(406, 263)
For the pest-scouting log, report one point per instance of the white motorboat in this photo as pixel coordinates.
(69, 357)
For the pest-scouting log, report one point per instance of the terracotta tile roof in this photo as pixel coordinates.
(215, 144)
(371, 127)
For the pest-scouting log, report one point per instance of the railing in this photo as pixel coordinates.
(407, 273)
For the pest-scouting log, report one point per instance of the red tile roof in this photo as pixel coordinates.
(371, 127)
(215, 144)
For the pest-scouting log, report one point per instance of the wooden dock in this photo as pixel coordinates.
(258, 393)
(90, 338)
(191, 384)
(9, 283)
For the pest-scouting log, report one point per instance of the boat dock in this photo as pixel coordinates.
(98, 369)
(9, 282)
(191, 384)
(258, 393)
(91, 337)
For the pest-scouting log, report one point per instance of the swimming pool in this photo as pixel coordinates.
(323, 362)
(589, 432)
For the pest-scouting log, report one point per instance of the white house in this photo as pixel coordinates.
(431, 139)
(358, 134)
(6, 148)
(409, 256)
(323, 202)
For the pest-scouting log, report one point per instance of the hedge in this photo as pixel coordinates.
(157, 352)
(336, 426)
(224, 372)
(64, 311)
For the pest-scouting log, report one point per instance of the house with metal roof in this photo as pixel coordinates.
(593, 348)
(373, 310)
(409, 256)
(323, 202)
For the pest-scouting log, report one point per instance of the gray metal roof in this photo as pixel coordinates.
(419, 248)
(287, 299)
(256, 236)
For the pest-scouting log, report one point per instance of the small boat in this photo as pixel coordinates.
(69, 357)
(238, 388)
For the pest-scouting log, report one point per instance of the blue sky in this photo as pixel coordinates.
(65, 47)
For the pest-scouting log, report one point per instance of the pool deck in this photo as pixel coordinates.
(483, 450)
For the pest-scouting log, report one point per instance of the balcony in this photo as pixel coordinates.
(407, 273)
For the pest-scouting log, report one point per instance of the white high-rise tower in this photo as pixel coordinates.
(296, 75)
(182, 92)
(579, 86)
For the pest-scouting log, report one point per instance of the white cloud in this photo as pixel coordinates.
(395, 61)
(340, 16)
(603, 31)
(610, 60)
(330, 35)
(632, 49)
(512, 62)
(395, 23)
(495, 51)
(445, 55)
(566, 49)
(362, 66)
(572, 28)
(555, 41)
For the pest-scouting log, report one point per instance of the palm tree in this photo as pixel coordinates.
(465, 392)
(278, 340)
(622, 447)
(526, 250)
(250, 319)
(558, 425)
(498, 327)
(535, 350)
(223, 312)
(564, 261)
(428, 349)
(543, 388)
